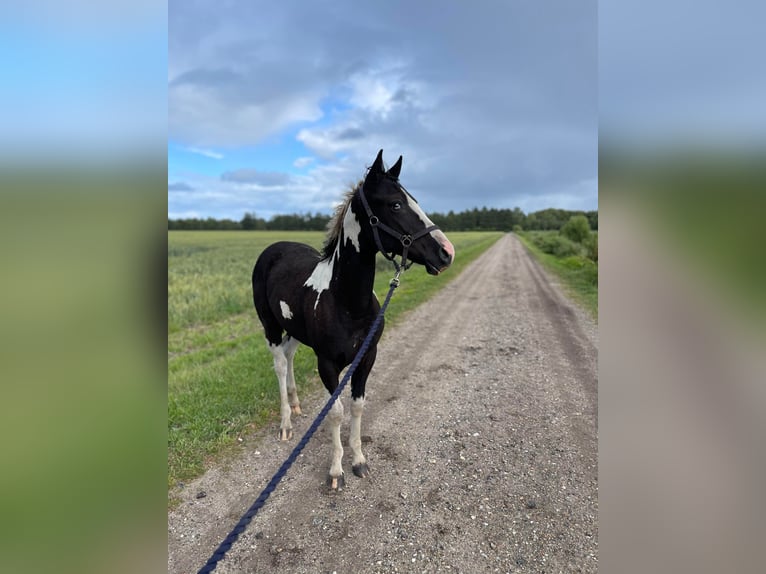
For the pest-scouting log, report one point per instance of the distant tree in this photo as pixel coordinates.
(249, 221)
(517, 218)
(576, 229)
(486, 219)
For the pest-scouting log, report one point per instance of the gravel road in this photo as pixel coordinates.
(480, 430)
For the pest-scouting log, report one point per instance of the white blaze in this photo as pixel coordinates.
(437, 234)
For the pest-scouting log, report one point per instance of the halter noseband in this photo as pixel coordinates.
(405, 238)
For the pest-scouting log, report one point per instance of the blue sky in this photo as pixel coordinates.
(82, 80)
(278, 107)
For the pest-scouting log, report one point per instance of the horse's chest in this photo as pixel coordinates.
(342, 336)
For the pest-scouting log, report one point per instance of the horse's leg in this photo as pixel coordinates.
(358, 382)
(280, 367)
(329, 372)
(290, 346)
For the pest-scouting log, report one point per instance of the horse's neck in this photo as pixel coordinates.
(354, 265)
(355, 275)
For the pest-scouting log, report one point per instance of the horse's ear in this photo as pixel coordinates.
(395, 169)
(377, 165)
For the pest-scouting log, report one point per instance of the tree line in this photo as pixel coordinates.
(483, 219)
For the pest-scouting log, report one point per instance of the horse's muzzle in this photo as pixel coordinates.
(446, 255)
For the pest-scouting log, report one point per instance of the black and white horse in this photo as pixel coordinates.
(325, 300)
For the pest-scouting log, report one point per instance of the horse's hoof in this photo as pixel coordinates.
(296, 409)
(336, 483)
(285, 434)
(361, 470)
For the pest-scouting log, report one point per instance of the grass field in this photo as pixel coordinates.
(221, 383)
(578, 274)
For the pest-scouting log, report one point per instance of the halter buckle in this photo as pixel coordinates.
(406, 240)
(374, 221)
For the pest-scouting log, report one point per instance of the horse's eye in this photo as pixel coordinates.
(396, 205)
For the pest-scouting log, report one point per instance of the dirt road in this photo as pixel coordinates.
(481, 418)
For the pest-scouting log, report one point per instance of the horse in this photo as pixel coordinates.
(325, 299)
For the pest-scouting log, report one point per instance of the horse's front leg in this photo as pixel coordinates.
(358, 383)
(358, 461)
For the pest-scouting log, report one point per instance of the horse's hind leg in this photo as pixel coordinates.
(290, 346)
(329, 375)
(281, 369)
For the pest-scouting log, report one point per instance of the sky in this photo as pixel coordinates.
(278, 107)
(82, 81)
(682, 72)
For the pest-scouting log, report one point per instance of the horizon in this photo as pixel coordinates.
(329, 214)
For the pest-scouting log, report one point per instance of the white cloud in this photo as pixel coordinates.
(226, 109)
(326, 143)
(302, 162)
(371, 94)
(206, 152)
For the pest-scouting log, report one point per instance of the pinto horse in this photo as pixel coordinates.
(325, 300)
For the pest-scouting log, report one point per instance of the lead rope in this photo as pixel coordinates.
(232, 537)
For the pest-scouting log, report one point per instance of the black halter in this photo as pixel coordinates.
(405, 238)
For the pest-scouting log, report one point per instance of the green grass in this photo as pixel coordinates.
(221, 383)
(578, 274)
(209, 272)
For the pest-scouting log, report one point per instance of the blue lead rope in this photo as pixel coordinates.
(243, 523)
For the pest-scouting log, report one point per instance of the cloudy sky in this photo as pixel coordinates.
(276, 107)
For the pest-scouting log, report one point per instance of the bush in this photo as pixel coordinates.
(565, 248)
(591, 247)
(543, 241)
(517, 228)
(557, 245)
(577, 228)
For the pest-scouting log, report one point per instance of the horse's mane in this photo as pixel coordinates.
(335, 225)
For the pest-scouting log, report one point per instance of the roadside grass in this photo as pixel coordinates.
(209, 272)
(578, 274)
(221, 382)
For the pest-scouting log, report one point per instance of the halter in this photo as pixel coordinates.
(405, 238)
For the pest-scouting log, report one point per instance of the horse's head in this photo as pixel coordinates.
(401, 226)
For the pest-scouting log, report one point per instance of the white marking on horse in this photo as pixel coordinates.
(334, 418)
(351, 228)
(280, 368)
(288, 394)
(355, 438)
(320, 278)
(437, 234)
(286, 312)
